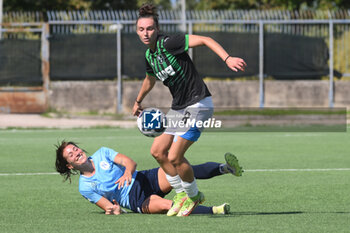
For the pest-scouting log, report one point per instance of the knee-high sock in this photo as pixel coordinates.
(206, 170)
(190, 188)
(202, 210)
(175, 183)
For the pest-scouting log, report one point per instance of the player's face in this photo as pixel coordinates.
(74, 156)
(147, 30)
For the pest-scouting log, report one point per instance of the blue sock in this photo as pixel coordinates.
(206, 170)
(202, 210)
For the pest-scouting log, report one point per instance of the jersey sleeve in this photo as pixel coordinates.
(108, 153)
(90, 195)
(176, 44)
(149, 69)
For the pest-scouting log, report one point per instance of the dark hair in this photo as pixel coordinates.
(148, 10)
(61, 162)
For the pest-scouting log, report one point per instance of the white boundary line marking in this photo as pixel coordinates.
(29, 174)
(299, 170)
(248, 170)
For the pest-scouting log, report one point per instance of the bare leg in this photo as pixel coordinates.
(163, 182)
(156, 205)
(177, 158)
(159, 151)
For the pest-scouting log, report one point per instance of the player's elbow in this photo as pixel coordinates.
(208, 41)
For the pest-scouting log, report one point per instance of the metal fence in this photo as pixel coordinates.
(333, 26)
(304, 23)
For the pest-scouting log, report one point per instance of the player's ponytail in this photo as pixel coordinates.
(148, 10)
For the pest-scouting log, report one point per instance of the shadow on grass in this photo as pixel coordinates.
(233, 214)
(266, 213)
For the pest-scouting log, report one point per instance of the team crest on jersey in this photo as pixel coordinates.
(160, 58)
(104, 165)
(93, 184)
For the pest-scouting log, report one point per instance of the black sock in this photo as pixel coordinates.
(206, 170)
(202, 210)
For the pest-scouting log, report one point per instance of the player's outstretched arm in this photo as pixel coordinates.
(109, 207)
(147, 85)
(234, 63)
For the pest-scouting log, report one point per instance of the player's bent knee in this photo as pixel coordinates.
(158, 155)
(166, 206)
(176, 161)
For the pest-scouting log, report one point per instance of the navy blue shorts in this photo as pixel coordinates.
(145, 185)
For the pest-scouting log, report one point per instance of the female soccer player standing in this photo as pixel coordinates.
(167, 60)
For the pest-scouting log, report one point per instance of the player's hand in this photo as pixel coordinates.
(137, 109)
(236, 63)
(114, 209)
(125, 179)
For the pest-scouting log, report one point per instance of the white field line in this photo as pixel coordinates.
(29, 174)
(299, 170)
(248, 170)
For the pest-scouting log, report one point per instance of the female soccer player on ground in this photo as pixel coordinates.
(167, 60)
(110, 180)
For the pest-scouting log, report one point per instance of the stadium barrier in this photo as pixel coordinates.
(24, 68)
(101, 96)
(268, 43)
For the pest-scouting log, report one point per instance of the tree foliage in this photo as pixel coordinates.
(266, 4)
(45, 5)
(113, 4)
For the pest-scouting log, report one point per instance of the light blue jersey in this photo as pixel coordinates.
(102, 183)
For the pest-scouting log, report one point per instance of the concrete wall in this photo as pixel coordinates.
(296, 93)
(23, 100)
(101, 96)
(83, 96)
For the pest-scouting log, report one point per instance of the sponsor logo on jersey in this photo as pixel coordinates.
(104, 165)
(164, 74)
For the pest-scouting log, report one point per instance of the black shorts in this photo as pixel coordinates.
(145, 185)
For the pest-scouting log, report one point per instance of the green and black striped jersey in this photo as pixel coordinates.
(171, 64)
